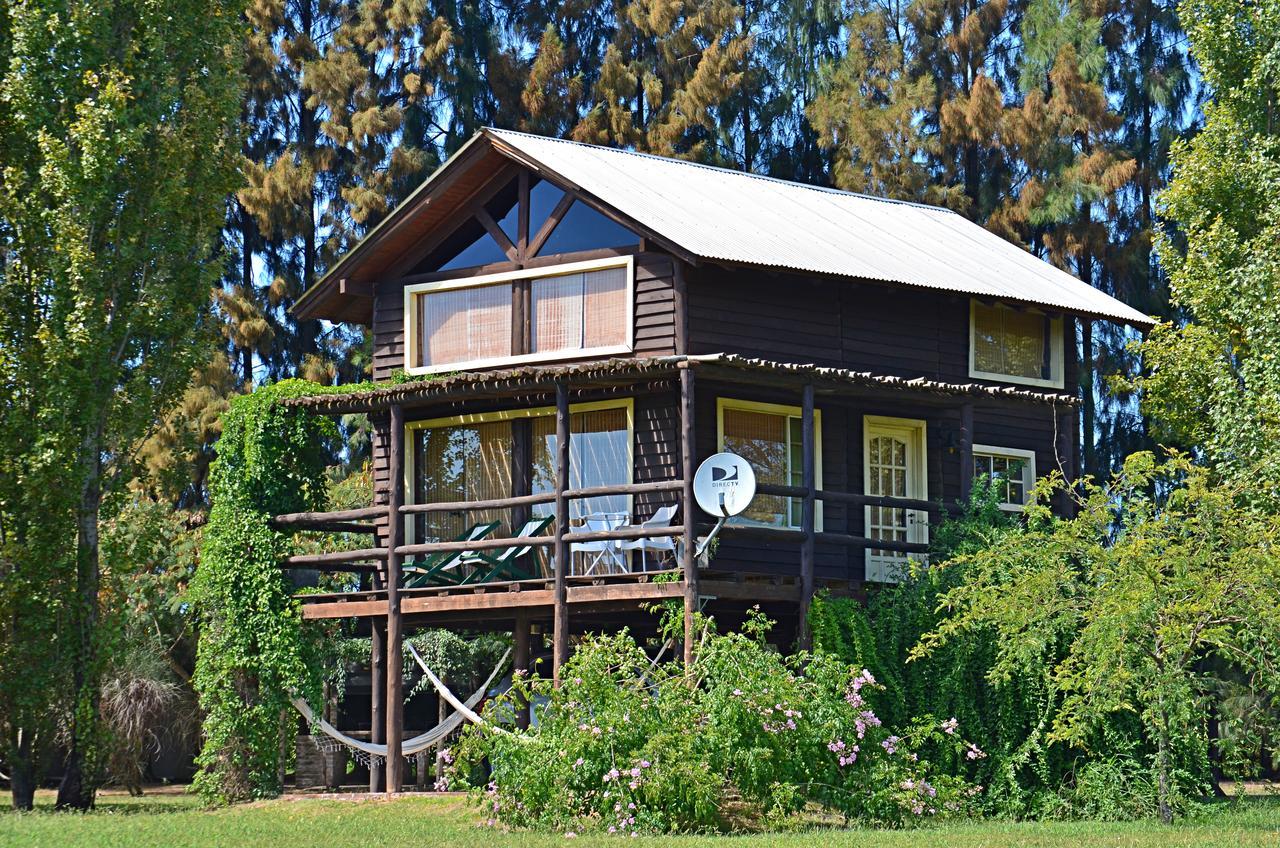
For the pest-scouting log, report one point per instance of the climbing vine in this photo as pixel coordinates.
(253, 652)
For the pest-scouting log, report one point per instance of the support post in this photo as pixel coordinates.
(1087, 413)
(520, 638)
(807, 515)
(395, 573)
(688, 564)
(560, 634)
(966, 452)
(377, 697)
(1066, 458)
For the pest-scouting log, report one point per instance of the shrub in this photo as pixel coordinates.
(626, 745)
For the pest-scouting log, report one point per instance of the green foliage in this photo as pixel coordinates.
(1214, 382)
(1113, 615)
(253, 653)
(626, 745)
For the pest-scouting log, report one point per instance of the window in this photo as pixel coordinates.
(473, 457)
(1012, 473)
(574, 309)
(769, 437)
(1015, 345)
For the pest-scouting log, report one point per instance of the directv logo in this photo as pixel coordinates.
(721, 476)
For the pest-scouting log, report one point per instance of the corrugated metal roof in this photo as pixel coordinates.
(734, 216)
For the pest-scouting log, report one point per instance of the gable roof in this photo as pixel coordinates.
(719, 215)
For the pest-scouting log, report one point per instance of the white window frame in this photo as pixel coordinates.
(1028, 459)
(411, 455)
(412, 331)
(723, 403)
(1055, 380)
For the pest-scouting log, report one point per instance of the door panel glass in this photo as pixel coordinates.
(465, 462)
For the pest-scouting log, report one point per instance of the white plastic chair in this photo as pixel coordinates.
(661, 544)
(608, 552)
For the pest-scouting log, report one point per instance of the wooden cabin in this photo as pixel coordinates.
(589, 324)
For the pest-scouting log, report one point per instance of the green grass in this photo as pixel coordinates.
(175, 820)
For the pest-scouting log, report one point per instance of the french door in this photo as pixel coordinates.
(893, 466)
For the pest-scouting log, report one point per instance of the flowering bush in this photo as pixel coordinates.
(626, 745)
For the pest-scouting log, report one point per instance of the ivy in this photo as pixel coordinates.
(253, 650)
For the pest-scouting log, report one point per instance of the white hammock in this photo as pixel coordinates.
(422, 742)
(462, 709)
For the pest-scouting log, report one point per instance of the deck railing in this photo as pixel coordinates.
(346, 521)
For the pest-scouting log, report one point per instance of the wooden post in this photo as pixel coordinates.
(560, 635)
(377, 697)
(688, 564)
(1087, 413)
(395, 636)
(1066, 458)
(966, 452)
(807, 517)
(520, 636)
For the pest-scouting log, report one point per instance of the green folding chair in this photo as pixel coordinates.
(502, 565)
(435, 570)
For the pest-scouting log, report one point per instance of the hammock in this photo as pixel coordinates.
(416, 744)
(462, 709)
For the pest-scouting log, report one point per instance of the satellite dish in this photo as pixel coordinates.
(724, 484)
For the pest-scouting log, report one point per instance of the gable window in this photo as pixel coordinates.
(1012, 473)
(577, 309)
(1015, 345)
(769, 436)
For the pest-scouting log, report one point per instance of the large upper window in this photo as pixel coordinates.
(1015, 345)
(563, 311)
(769, 437)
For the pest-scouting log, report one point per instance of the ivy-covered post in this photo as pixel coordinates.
(394, 574)
(966, 452)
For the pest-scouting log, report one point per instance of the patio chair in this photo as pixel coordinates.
(502, 564)
(608, 552)
(436, 568)
(661, 544)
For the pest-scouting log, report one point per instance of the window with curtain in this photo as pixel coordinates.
(1012, 473)
(473, 323)
(579, 311)
(463, 462)
(1016, 344)
(465, 325)
(772, 442)
(599, 455)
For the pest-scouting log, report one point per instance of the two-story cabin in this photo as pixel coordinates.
(591, 323)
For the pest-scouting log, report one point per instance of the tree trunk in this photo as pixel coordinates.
(22, 772)
(80, 779)
(1162, 768)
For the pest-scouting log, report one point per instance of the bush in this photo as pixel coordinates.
(625, 745)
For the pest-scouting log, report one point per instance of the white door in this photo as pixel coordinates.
(894, 466)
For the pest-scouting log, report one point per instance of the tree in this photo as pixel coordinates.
(668, 71)
(1214, 381)
(1117, 610)
(119, 147)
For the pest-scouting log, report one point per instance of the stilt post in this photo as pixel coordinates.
(809, 480)
(395, 635)
(520, 638)
(688, 564)
(560, 634)
(377, 698)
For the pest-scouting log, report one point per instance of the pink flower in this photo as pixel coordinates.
(949, 726)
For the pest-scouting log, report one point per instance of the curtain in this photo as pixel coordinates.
(461, 325)
(1008, 341)
(580, 311)
(599, 455)
(762, 439)
(466, 462)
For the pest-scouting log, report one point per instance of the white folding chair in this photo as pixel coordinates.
(607, 553)
(660, 544)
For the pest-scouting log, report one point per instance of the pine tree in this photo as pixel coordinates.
(666, 76)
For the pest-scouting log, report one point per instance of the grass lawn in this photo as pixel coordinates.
(174, 820)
